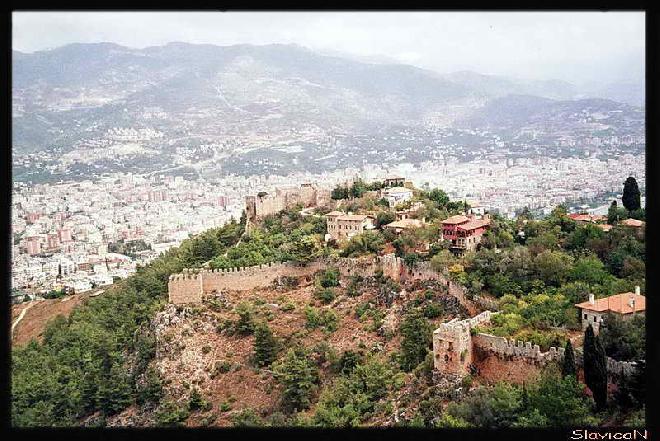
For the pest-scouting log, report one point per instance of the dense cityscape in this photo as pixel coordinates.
(68, 235)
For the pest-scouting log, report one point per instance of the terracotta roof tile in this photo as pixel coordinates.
(474, 224)
(619, 303)
(456, 219)
(633, 223)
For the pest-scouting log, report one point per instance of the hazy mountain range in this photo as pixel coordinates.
(63, 95)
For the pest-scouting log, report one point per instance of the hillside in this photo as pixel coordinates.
(509, 113)
(239, 99)
(340, 348)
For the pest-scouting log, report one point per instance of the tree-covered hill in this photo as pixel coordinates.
(336, 351)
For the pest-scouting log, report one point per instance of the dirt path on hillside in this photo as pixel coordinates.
(31, 319)
(21, 315)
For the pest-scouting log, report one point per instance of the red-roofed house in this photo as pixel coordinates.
(634, 223)
(464, 232)
(587, 218)
(625, 305)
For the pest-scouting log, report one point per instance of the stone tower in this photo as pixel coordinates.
(452, 348)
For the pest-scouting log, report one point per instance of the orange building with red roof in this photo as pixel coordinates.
(464, 232)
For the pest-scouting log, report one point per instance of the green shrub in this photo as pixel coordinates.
(246, 418)
(325, 295)
(433, 310)
(197, 402)
(245, 323)
(288, 307)
(171, 414)
(222, 367)
(416, 339)
(329, 278)
(299, 375)
(325, 319)
(265, 345)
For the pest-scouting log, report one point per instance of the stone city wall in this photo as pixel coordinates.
(455, 337)
(190, 285)
(531, 353)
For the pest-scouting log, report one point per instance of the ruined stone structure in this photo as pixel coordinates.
(191, 285)
(261, 205)
(454, 347)
(185, 288)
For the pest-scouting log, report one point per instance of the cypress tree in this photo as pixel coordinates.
(631, 196)
(524, 401)
(595, 367)
(265, 345)
(612, 213)
(568, 365)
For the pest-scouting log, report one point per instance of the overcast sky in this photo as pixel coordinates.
(573, 46)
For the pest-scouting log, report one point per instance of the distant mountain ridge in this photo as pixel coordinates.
(62, 95)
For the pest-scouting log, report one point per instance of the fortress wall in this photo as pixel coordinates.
(264, 275)
(620, 369)
(260, 276)
(349, 266)
(504, 348)
(240, 278)
(184, 288)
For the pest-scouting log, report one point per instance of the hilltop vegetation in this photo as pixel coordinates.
(336, 351)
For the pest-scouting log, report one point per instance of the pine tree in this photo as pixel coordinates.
(265, 345)
(631, 195)
(612, 213)
(416, 338)
(568, 365)
(245, 323)
(595, 367)
(299, 375)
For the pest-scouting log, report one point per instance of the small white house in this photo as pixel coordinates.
(625, 305)
(397, 195)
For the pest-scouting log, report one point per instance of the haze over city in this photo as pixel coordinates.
(578, 47)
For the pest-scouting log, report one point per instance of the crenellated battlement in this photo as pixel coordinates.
(184, 285)
(453, 347)
(452, 344)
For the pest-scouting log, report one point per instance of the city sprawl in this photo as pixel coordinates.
(68, 234)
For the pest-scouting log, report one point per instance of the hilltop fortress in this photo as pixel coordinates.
(264, 204)
(457, 345)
